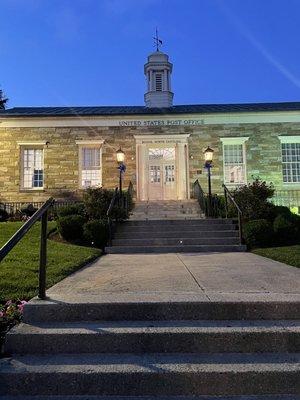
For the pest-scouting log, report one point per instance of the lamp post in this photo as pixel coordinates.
(120, 159)
(208, 156)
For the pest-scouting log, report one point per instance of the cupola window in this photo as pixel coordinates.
(158, 82)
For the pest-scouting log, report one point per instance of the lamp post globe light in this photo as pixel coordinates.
(122, 168)
(208, 157)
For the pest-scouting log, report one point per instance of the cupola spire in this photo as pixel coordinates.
(158, 72)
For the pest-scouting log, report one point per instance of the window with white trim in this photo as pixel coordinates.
(290, 162)
(234, 160)
(90, 166)
(32, 168)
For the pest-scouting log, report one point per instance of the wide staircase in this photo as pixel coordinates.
(174, 226)
(200, 350)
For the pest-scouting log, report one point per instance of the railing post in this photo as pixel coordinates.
(240, 227)
(226, 203)
(43, 256)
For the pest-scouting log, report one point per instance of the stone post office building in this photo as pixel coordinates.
(59, 151)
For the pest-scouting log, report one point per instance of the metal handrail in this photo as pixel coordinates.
(199, 194)
(123, 201)
(227, 195)
(108, 214)
(41, 213)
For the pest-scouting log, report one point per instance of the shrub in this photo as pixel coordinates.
(3, 215)
(95, 232)
(29, 210)
(70, 227)
(253, 200)
(71, 209)
(96, 202)
(282, 210)
(258, 233)
(285, 229)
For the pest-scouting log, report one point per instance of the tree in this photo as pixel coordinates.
(3, 100)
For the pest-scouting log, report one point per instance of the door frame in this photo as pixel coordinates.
(180, 142)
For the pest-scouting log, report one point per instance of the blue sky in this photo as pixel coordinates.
(91, 52)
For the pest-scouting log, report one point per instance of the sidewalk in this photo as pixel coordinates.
(180, 277)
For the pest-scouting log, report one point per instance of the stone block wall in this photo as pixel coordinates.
(263, 155)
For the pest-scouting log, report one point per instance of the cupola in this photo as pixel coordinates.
(158, 72)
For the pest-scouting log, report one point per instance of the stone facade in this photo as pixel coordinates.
(61, 165)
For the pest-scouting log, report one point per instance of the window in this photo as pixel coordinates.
(32, 168)
(291, 162)
(90, 167)
(234, 160)
(158, 82)
(154, 173)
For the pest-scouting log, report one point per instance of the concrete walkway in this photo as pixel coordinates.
(180, 277)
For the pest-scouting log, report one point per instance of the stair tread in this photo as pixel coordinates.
(180, 326)
(95, 397)
(151, 363)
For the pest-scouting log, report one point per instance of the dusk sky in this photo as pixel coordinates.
(92, 52)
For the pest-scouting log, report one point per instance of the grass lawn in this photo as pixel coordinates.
(19, 269)
(288, 254)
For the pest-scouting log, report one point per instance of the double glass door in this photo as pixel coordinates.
(162, 174)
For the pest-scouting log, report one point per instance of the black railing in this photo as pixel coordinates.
(199, 194)
(287, 198)
(215, 207)
(14, 207)
(123, 201)
(112, 204)
(229, 198)
(41, 213)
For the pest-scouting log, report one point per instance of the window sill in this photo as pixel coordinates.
(32, 190)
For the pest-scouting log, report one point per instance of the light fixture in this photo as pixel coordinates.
(208, 155)
(120, 155)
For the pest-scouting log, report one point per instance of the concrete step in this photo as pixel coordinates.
(93, 397)
(169, 227)
(175, 249)
(194, 222)
(37, 311)
(155, 337)
(153, 375)
(179, 241)
(164, 217)
(178, 234)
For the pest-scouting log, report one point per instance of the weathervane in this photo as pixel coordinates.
(157, 41)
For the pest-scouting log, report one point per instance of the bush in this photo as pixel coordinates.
(3, 215)
(258, 233)
(29, 210)
(71, 209)
(95, 232)
(97, 201)
(253, 200)
(282, 210)
(70, 227)
(285, 230)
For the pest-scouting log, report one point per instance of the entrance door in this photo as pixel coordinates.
(162, 174)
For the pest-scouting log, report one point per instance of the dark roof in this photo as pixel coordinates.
(142, 110)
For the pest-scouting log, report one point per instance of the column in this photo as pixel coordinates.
(181, 175)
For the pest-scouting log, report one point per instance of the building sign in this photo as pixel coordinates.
(162, 122)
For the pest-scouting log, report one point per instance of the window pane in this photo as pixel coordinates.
(90, 167)
(33, 169)
(290, 162)
(234, 165)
